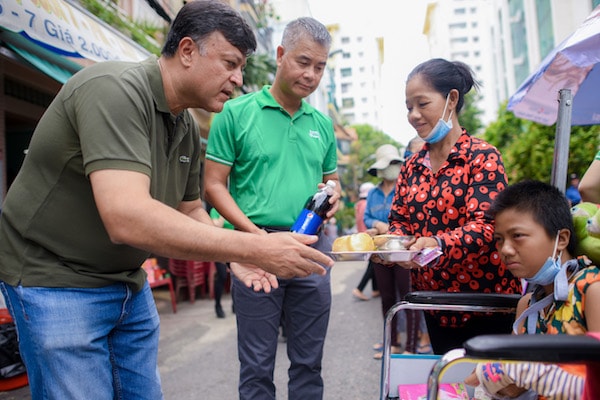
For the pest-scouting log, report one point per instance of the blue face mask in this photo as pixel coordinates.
(441, 129)
(549, 270)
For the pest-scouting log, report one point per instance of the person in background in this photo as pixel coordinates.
(536, 240)
(359, 213)
(275, 150)
(442, 197)
(359, 206)
(589, 187)
(112, 175)
(221, 267)
(414, 145)
(330, 229)
(572, 191)
(393, 283)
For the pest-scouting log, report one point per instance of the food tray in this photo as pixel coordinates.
(387, 255)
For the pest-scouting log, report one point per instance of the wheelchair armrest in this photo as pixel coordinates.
(541, 348)
(465, 299)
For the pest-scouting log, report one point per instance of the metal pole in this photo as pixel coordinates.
(560, 164)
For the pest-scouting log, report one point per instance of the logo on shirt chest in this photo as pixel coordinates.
(314, 134)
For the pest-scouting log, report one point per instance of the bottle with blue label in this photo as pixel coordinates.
(315, 211)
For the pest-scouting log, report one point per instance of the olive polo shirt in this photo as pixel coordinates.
(112, 115)
(276, 159)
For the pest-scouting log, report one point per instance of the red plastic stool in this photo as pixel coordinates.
(190, 274)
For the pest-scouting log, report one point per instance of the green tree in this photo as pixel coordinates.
(527, 148)
(470, 115)
(145, 34)
(260, 70)
(352, 176)
(363, 150)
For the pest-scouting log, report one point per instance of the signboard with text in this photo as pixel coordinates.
(66, 30)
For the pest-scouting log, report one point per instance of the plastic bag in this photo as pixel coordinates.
(11, 363)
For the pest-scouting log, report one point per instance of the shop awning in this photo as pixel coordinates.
(67, 31)
(57, 67)
(54, 71)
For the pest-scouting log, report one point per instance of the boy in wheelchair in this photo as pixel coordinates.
(535, 237)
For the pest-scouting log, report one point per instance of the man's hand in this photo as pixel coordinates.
(288, 255)
(254, 277)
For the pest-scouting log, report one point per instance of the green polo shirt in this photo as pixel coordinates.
(112, 115)
(276, 159)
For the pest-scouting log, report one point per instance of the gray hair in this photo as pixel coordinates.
(295, 30)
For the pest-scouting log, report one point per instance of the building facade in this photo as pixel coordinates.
(503, 41)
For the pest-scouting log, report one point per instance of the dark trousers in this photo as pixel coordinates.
(305, 303)
(220, 279)
(444, 339)
(394, 284)
(368, 275)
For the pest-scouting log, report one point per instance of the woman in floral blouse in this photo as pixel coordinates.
(442, 197)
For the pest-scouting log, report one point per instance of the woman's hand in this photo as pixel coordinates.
(419, 244)
(381, 227)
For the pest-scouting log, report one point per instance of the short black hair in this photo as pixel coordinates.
(546, 203)
(198, 19)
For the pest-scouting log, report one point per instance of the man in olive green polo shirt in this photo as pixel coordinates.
(267, 154)
(112, 175)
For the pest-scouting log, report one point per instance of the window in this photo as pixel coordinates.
(459, 55)
(459, 40)
(458, 25)
(348, 102)
(344, 146)
(545, 28)
(345, 72)
(518, 31)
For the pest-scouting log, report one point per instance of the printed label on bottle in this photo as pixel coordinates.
(308, 223)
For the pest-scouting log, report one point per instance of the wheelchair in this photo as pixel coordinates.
(394, 366)
(563, 349)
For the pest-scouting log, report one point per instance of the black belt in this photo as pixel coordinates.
(271, 229)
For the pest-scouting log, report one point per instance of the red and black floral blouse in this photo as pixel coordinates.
(451, 205)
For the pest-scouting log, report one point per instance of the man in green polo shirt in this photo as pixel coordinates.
(112, 175)
(267, 154)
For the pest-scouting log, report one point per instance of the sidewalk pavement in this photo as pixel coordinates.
(198, 351)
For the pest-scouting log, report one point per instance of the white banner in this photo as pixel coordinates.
(63, 29)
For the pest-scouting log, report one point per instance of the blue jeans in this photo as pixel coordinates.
(99, 343)
(305, 304)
